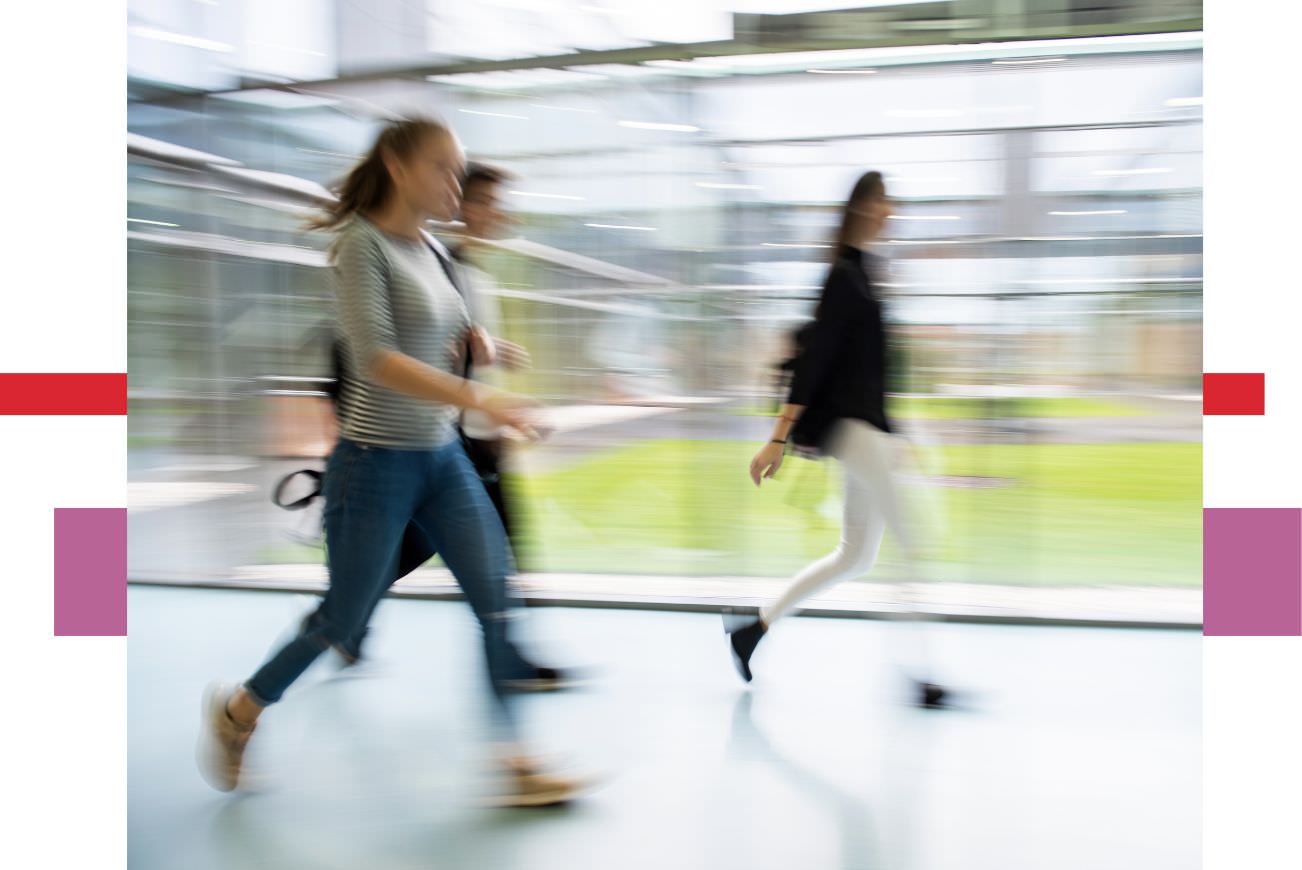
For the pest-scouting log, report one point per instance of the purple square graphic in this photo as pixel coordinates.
(90, 572)
(1252, 571)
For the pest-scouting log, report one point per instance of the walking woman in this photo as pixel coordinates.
(836, 407)
(398, 459)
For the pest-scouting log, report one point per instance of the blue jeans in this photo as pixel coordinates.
(371, 494)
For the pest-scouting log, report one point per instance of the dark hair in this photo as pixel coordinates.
(870, 185)
(482, 173)
(368, 186)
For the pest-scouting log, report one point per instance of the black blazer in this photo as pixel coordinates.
(840, 371)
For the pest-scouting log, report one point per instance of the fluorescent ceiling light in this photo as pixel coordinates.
(493, 114)
(1027, 60)
(924, 113)
(490, 81)
(1185, 101)
(563, 108)
(615, 70)
(1086, 213)
(842, 72)
(1156, 170)
(717, 185)
(1000, 110)
(519, 79)
(532, 77)
(545, 195)
(132, 220)
(180, 39)
(619, 227)
(670, 64)
(786, 58)
(652, 125)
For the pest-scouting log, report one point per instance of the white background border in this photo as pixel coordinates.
(63, 74)
(1252, 706)
(62, 309)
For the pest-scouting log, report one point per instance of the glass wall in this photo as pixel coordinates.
(1044, 291)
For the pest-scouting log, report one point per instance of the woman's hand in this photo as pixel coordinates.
(516, 412)
(767, 462)
(483, 351)
(511, 355)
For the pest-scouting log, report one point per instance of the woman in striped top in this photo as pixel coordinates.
(398, 459)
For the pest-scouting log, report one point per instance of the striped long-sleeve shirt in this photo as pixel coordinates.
(393, 295)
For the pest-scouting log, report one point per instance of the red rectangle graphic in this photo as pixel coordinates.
(1234, 394)
(63, 394)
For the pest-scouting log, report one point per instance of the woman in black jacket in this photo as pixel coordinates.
(837, 407)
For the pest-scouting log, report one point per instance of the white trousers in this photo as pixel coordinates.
(874, 502)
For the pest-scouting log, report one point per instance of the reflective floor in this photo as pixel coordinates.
(1074, 748)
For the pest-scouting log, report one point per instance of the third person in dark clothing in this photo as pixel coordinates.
(837, 407)
(486, 442)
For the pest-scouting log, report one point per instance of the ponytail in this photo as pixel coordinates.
(368, 186)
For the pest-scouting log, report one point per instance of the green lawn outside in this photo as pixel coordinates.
(956, 408)
(1111, 514)
(1063, 515)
